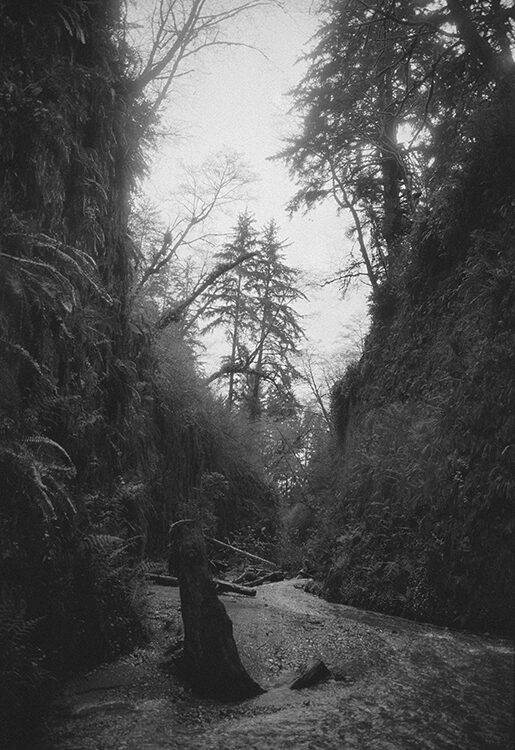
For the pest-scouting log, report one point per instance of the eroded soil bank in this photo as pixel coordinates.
(395, 685)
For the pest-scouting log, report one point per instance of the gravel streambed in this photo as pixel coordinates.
(395, 685)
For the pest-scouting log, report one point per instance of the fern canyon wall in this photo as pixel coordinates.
(100, 447)
(424, 476)
(408, 120)
(69, 152)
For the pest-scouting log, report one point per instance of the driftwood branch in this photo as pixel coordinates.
(223, 586)
(241, 552)
(234, 588)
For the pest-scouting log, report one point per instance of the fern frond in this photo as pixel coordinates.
(39, 440)
(44, 502)
(41, 265)
(24, 354)
(102, 543)
(62, 494)
(81, 263)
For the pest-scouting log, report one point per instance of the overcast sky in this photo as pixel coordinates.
(236, 100)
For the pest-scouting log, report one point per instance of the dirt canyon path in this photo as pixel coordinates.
(395, 685)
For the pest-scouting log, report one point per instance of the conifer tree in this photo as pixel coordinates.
(277, 328)
(231, 303)
(390, 90)
(253, 305)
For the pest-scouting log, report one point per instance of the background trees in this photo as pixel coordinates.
(277, 330)
(253, 306)
(205, 191)
(175, 267)
(231, 304)
(391, 87)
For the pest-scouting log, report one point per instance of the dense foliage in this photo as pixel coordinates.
(427, 418)
(69, 150)
(105, 433)
(200, 445)
(417, 513)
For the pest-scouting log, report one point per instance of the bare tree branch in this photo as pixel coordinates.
(213, 186)
(174, 313)
(343, 199)
(317, 393)
(181, 30)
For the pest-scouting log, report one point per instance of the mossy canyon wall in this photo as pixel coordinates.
(426, 418)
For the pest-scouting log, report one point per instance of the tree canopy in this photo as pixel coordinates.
(390, 85)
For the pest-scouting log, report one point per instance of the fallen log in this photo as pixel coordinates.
(209, 661)
(250, 574)
(241, 552)
(225, 586)
(162, 580)
(275, 575)
(242, 578)
(234, 588)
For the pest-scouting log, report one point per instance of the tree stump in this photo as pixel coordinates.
(210, 661)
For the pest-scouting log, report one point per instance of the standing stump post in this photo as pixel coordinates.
(210, 661)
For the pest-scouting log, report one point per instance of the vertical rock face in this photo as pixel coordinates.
(210, 660)
(425, 418)
(68, 358)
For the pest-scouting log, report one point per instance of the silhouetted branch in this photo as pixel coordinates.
(174, 313)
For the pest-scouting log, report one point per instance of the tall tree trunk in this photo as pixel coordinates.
(234, 347)
(390, 167)
(254, 401)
